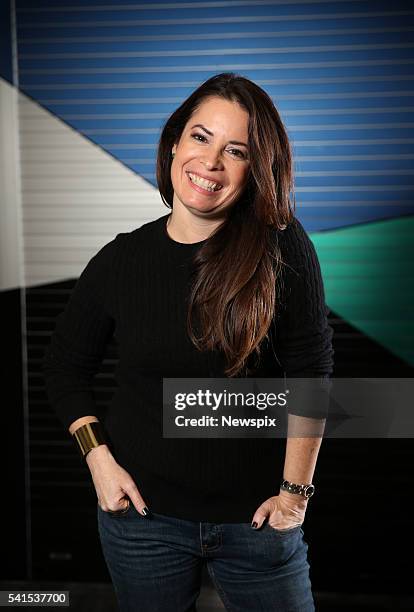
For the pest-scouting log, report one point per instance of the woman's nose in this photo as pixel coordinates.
(211, 161)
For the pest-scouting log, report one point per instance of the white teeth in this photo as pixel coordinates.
(209, 185)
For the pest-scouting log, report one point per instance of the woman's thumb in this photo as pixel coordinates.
(261, 514)
(135, 497)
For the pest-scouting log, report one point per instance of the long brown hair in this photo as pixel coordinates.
(234, 292)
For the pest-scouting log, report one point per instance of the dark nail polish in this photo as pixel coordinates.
(254, 525)
(147, 513)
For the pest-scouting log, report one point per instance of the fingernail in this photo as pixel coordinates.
(147, 512)
(254, 525)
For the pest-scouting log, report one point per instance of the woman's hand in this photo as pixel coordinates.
(113, 484)
(283, 511)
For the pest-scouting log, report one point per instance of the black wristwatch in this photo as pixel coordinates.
(306, 490)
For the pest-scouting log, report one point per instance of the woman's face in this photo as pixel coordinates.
(211, 163)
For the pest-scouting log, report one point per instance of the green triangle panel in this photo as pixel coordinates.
(368, 273)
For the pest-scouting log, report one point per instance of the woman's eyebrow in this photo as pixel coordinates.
(211, 134)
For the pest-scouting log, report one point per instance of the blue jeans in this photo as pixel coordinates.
(156, 564)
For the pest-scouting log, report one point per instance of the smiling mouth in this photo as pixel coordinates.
(203, 183)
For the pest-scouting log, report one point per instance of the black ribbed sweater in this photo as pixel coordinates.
(136, 288)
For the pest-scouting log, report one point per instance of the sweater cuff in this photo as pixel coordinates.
(309, 397)
(76, 405)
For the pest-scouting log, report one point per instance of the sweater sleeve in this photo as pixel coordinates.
(79, 339)
(303, 336)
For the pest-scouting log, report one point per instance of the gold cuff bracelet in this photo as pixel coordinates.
(89, 436)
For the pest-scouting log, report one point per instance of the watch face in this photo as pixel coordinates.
(310, 490)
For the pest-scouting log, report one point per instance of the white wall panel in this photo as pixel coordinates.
(75, 197)
(11, 262)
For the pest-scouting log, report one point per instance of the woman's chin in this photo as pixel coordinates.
(201, 204)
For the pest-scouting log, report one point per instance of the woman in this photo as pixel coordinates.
(226, 285)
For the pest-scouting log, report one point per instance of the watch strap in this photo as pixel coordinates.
(306, 490)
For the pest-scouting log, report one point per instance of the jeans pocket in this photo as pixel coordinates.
(281, 544)
(284, 532)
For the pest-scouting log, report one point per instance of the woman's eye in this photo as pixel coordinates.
(195, 136)
(237, 152)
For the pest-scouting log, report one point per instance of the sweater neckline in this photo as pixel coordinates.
(174, 244)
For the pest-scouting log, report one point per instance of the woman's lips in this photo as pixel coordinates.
(200, 189)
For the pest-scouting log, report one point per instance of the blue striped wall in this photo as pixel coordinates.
(340, 73)
(6, 66)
